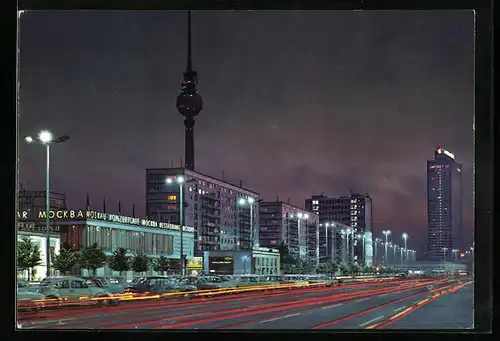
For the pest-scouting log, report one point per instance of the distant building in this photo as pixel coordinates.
(33, 202)
(444, 205)
(211, 207)
(298, 228)
(353, 211)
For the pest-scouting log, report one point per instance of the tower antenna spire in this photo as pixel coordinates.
(189, 66)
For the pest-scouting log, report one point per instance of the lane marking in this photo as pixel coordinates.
(59, 321)
(372, 320)
(363, 299)
(398, 309)
(279, 318)
(332, 306)
(383, 295)
(400, 313)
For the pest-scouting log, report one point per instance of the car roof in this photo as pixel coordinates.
(58, 278)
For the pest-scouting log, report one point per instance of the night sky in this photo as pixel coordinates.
(295, 103)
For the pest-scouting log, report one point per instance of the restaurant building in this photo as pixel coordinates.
(259, 261)
(82, 228)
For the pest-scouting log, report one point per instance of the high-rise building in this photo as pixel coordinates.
(211, 206)
(444, 205)
(353, 211)
(298, 228)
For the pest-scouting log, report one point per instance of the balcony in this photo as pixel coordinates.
(210, 204)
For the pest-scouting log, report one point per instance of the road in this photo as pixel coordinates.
(410, 303)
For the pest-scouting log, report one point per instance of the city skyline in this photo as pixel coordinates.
(413, 92)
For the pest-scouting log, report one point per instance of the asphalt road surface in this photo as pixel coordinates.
(396, 304)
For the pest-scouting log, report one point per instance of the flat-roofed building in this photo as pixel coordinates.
(211, 206)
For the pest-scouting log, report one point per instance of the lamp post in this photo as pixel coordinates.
(46, 138)
(394, 248)
(250, 201)
(245, 264)
(386, 234)
(377, 240)
(344, 249)
(326, 240)
(401, 256)
(180, 181)
(348, 231)
(444, 253)
(405, 238)
(362, 237)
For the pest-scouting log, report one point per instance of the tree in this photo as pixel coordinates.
(353, 268)
(367, 269)
(28, 255)
(331, 268)
(161, 264)
(92, 258)
(343, 269)
(66, 260)
(119, 261)
(285, 257)
(140, 262)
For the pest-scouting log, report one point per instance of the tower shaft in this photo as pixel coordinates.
(189, 143)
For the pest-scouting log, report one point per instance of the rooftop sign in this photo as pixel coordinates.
(82, 215)
(445, 152)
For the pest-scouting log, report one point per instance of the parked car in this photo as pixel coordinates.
(114, 285)
(27, 300)
(246, 281)
(74, 288)
(154, 285)
(211, 282)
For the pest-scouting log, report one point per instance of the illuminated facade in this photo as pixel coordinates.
(280, 221)
(351, 213)
(444, 205)
(259, 261)
(80, 228)
(210, 206)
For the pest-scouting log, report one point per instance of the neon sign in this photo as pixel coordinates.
(81, 215)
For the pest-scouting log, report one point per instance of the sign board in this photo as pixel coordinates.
(82, 215)
(195, 263)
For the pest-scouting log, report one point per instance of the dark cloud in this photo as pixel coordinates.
(295, 103)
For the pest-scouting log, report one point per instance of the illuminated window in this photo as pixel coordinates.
(172, 197)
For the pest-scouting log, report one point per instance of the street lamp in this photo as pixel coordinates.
(362, 237)
(250, 201)
(180, 181)
(348, 231)
(444, 252)
(46, 138)
(405, 238)
(401, 256)
(386, 234)
(245, 264)
(377, 240)
(344, 249)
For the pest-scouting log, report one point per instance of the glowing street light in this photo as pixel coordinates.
(250, 201)
(386, 233)
(405, 238)
(46, 138)
(444, 252)
(180, 181)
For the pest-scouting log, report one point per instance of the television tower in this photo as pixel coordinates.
(189, 103)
